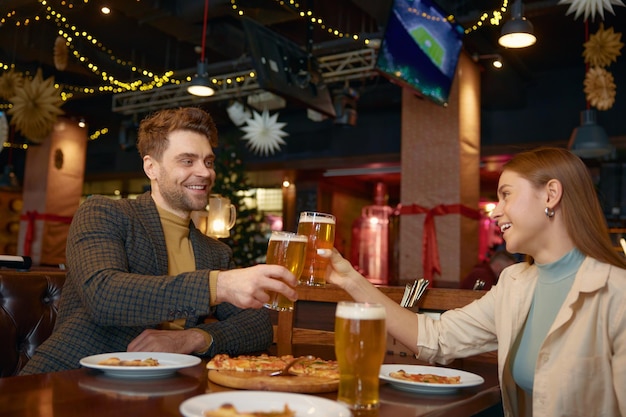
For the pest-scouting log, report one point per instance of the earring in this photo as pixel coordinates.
(549, 213)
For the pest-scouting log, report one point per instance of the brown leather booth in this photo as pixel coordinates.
(29, 302)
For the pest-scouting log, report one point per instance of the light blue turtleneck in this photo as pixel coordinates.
(554, 282)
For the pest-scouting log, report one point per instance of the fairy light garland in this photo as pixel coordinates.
(64, 28)
(493, 17)
(112, 85)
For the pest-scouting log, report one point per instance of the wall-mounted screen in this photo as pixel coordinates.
(420, 48)
(287, 70)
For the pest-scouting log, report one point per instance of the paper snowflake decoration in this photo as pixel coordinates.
(36, 107)
(600, 88)
(589, 8)
(263, 133)
(603, 47)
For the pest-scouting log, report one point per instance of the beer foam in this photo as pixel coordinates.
(362, 311)
(311, 217)
(292, 237)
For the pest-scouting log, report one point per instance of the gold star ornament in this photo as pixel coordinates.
(600, 88)
(603, 47)
(10, 82)
(36, 107)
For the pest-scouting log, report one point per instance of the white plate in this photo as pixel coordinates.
(467, 379)
(264, 401)
(168, 364)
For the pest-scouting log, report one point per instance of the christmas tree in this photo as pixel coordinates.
(249, 236)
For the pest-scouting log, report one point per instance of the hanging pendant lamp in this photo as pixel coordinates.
(518, 32)
(589, 140)
(200, 84)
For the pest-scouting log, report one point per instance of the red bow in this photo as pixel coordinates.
(31, 217)
(430, 251)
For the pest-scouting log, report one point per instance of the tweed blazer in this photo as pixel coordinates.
(117, 286)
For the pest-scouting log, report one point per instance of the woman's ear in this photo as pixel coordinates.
(554, 189)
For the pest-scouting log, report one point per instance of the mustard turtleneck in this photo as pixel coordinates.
(180, 258)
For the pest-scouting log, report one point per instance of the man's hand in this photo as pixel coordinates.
(248, 287)
(171, 341)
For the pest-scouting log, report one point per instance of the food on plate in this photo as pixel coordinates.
(247, 363)
(425, 378)
(229, 410)
(316, 367)
(114, 361)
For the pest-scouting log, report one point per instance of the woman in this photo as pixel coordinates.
(558, 321)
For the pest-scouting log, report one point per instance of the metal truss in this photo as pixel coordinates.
(341, 67)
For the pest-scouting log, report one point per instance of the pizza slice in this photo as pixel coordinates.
(114, 361)
(310, 366)
(248, 363)
(229, 410)
(317, 367)
(425, 378)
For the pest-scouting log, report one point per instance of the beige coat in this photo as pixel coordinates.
(581, 367)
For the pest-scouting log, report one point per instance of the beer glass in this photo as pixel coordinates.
(360, 342)
(221, 217)
(320, 228)
(289, 250)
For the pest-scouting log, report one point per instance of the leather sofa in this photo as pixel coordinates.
(29, 302)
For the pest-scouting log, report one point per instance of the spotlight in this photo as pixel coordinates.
(200, 84)
(345, 107)
(517, 32)
(589, 140)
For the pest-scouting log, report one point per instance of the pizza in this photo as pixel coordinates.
(310, 366)
(248, 363)
(229, 410)
(113, 361)
(425, 378)
(316, 367)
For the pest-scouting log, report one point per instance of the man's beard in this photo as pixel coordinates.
(176, 197)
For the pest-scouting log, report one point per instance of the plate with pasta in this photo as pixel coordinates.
(428, 379)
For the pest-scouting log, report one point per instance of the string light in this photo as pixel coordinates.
(100, 132)
(113, 85)
(23, 146)
(493, 17)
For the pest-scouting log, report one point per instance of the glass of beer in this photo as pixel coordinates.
(289, 250)
(360, 342)
(320, 228)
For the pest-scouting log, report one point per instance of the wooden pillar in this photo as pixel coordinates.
(440, 166)
(53, 186)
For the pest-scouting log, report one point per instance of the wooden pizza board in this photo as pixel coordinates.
(262, 381)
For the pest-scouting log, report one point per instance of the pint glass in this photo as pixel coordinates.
(360, 341)
(320, 228)
(286, 249)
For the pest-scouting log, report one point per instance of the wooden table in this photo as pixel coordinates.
(84, 392)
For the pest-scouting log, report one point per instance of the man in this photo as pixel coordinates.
(141, 277)
(485, 275)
